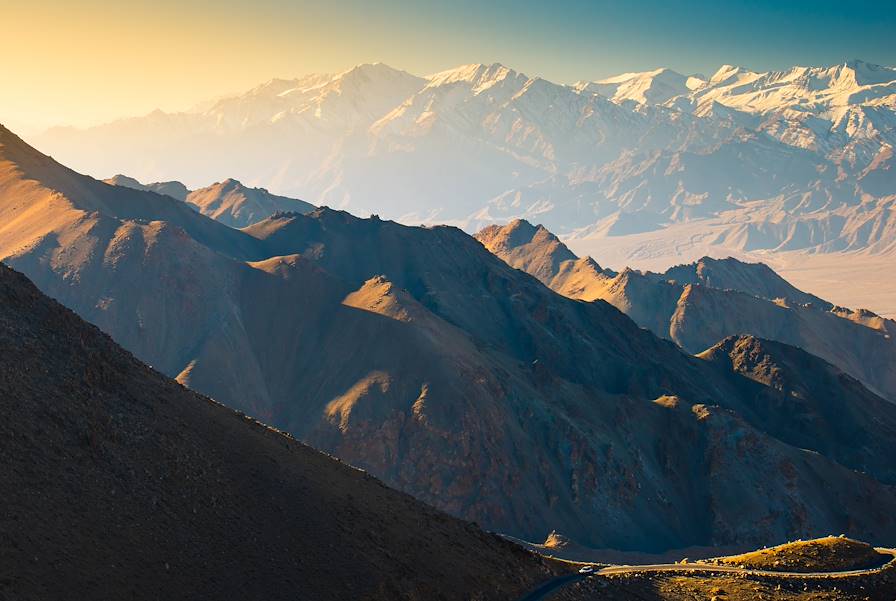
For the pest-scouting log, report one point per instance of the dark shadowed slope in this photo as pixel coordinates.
(591, 377)
(119, 483)
(798, 393)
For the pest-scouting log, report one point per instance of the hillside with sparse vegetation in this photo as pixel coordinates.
(832, 553)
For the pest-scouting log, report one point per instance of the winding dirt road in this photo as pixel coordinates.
(551, 586)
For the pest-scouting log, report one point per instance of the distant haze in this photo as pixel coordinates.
(86, 62)
(646, 169)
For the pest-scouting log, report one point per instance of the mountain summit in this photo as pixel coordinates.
(648, 87)
(236, 205)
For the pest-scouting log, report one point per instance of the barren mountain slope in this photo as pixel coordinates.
(417, 354)
(796, 388)
(119, 483)
(229, 202)
(159, 286)
(698, 304)
(703, 315)
(350, 247)
(540, 253)
(43, 198)
(756, 279)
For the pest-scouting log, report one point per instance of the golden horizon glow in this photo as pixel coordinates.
(91, 64)
(82, 62)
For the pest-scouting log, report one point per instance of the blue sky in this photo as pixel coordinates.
(568, 40)
(125, 58)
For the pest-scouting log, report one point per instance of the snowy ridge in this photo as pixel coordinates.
(797, 159)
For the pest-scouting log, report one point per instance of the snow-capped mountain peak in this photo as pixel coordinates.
(377, 73)
(646, 87)
(795, 158)
(730, 73)
(478, 76)
(354, 97)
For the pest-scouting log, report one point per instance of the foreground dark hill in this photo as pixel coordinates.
(420, 356)
(697, 305)
(120, 483)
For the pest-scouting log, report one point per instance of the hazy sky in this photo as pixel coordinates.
(83, 62)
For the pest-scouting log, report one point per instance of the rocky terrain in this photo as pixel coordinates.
(236, 205)
(118, 482)
(666, 587)
(698, 304)
(418, 355)
(829, 554)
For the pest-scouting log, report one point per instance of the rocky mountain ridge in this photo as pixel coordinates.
(697, 304)
(415, 353)
(229, 202)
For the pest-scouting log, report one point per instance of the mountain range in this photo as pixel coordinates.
(798, 159)
(696, 305)
(229, 202)
(417, 354)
